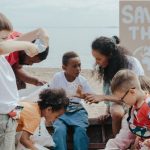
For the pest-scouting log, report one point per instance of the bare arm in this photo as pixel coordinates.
(22, 75)
(26, 141)
(93, 98)
(38, 33)
(11, 46)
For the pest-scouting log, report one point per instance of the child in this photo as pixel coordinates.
(126, 88)
(19, 58)
(8, 92)
(52, 104)
(76, 116)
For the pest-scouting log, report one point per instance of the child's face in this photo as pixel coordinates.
(4, 35)
(51, 116)
(29, 60)
(73, 68)
(129, 97)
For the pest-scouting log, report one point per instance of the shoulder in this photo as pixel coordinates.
(135, 65)
(132, 59)
(58, 74)
(82, 78)
(13, 58)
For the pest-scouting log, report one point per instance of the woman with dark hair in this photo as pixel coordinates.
(110, 58)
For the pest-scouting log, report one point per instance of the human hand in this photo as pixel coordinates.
(43, 35)
(93, 98)
(79, 92)
(31, 49)
(147, 143)
(137, 143)
(40, 83)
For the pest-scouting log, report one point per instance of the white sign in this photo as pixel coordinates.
(135, 29)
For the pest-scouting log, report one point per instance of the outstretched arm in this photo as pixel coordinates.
(93, 98)
(26, 141)
(22, 75)
(11, 46)
(35, 34)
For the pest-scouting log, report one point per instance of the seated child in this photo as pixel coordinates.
(52, 104)
(76, 116)
(125, 137)
(126, 88)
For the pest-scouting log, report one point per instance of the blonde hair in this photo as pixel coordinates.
(145, 83)
(5, 24)
(124, 80)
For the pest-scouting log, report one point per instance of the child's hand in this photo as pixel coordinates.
(79, 92)
(147, 142)
(137, 143)
(31, 49)
(40, 83)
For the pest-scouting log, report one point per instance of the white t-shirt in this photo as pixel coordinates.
(8, 88)
(136, 65)
(60, 81)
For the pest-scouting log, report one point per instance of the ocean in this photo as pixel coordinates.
(78, 39)
(72, 24)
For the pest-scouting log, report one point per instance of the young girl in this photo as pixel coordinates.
(76, 116)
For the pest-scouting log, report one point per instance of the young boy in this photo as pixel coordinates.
(8, 92)
(76, 116)
(18, 58)
(52, 104)
(126, 88)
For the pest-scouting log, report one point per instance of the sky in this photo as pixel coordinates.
(71, 24)
(61, 13)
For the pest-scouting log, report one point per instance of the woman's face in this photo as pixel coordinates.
(100, 59)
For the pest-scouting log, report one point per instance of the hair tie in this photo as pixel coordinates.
(113, 39)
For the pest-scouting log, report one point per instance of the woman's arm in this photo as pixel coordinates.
(35, 34)
(93, 98)
(26, 141)
(11, 46)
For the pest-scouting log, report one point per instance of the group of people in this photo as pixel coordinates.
(125, 92)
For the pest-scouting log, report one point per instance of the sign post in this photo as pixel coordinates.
(134, 22)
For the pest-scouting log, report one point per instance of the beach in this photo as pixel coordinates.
(94, 110)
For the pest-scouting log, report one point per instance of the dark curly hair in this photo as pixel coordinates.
(42, 56)
(117, 59)
(67, 56)
(55, 98)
